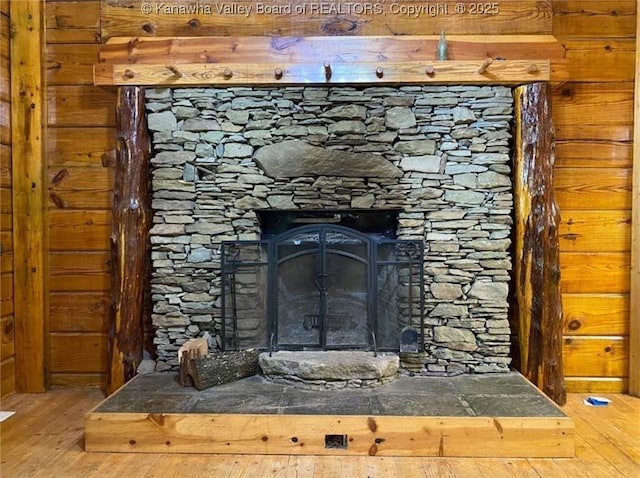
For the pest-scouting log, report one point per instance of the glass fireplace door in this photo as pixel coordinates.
(323, 287)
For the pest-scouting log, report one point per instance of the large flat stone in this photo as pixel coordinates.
(294, 158)
(330, 365)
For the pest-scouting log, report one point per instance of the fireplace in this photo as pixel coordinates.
(227, 163)
(321, 284)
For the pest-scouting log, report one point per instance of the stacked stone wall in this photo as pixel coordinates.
(439, 154)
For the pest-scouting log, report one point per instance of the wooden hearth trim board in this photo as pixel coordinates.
(228, 61)
(306, 435)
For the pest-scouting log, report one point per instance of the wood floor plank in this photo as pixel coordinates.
(300, 466)
(594, 449)
(492, 468)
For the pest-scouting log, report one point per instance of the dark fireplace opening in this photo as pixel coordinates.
(382, 222)
(321, 285)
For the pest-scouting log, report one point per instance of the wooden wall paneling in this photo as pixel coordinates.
(79, 230)
(583, 104)
(595, 132)
(29, 193)
(5, 125)
(79, 312)
(79, 271)
(71, 64)
(595, 231)
(6, 294)
(510, 17)
(594, 124)
(80, 106)
(7, 376)
(7, 345)
(595, 272)
(596, 384)
(595, 153)
(634, 334)
(81, 156)
(73, 22)
(602, 356)
(5, 182)
(78, 353)
(81, 188)
(602, 18)
(593, 188)
(78, 380)
(600, 60)
(596, 314)
(81, 146)
(5, 85)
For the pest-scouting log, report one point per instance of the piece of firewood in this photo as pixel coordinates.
(223, 367)
(190, 350)
(199, 344)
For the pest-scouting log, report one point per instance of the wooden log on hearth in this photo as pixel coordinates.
(536, 265)
(129, 238)
(223, 367)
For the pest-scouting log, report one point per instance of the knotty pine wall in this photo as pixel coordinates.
(7, 347)
(592, 112)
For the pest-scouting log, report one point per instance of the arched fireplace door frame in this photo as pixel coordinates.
(329, 287)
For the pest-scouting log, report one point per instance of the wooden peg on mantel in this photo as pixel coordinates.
(430, 70)
(174, 69)
(532, 69)
(379, 72)
(227, 74)
(277, 73)
(129, 74)
(485, 65)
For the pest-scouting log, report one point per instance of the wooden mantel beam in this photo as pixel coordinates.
(224, 61)
(507, 72)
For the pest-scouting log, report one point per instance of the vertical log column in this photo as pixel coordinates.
(29, 185)
(537, 270)
(129, 238)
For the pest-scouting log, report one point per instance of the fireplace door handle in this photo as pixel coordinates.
(322, 282)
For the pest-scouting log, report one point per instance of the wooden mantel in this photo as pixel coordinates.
(228, 61)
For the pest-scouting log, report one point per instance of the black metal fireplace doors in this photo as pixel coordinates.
(323, 287)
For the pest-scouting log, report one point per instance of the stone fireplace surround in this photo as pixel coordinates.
(443, 159)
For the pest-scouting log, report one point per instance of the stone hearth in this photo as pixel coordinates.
(439, 155)
(330, 370)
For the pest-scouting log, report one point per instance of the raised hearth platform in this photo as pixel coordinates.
(499, 415)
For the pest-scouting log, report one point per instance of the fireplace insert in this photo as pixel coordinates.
(321, 287)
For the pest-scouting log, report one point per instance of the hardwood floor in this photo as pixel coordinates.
(45, 439)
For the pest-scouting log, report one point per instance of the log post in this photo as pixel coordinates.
(129, 238)
(29, 197)
(536, 265)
